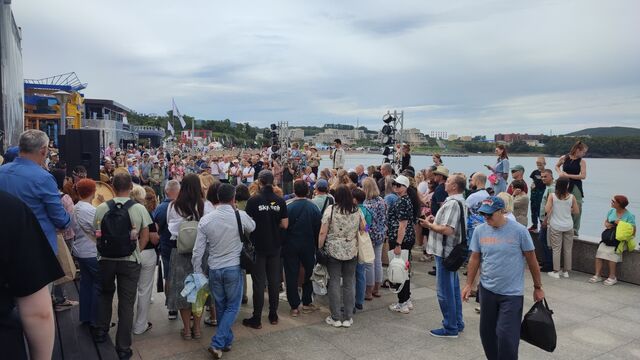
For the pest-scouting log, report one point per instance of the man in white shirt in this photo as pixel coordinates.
(338, 155)
(219, 233)
(223, 167)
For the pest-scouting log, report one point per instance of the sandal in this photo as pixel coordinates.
(594, 279)
(195, 335)
(185, 335)
(210, 322)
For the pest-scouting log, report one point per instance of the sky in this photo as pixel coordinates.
(467, 67)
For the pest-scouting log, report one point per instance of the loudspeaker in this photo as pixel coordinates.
(82, 147)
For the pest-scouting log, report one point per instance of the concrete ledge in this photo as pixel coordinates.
(584, 253)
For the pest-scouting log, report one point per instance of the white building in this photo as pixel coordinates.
(296, 134)
(347, 137)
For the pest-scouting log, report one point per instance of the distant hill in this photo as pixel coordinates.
(607, 131)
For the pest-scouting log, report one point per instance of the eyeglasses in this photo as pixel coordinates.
(397, 185)
(613, 201)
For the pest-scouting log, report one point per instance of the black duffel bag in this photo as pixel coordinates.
(459, 253)
(608, 237)
(537, 327)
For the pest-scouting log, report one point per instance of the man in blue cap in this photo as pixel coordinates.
(503, 245)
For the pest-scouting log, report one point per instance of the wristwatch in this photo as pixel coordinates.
(537, 287)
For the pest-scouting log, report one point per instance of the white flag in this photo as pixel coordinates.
(170, 128)
(176, 112)
(124, 120)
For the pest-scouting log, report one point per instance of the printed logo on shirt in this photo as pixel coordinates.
(489, 240)
(271, 207)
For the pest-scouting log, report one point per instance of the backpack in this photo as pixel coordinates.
(115, 240)
(397, 271)
(187, 233)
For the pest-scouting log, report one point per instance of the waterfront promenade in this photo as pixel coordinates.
(592, 321)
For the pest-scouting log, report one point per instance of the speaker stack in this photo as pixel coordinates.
(82, 147)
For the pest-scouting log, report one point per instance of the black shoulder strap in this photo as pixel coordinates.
(111, 204)
(463, 230)
(324, 206)
(240, 231)
(127, 205)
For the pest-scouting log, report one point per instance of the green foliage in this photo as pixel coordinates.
(602, 146)
(607, 131)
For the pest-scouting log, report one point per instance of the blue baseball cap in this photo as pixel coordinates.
(11, 154)
(491, 205)
(322, 185)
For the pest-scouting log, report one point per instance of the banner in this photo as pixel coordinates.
(176, 112)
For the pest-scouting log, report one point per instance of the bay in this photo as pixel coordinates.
(605, 178)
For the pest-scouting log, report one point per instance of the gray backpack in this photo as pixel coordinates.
(187, 234)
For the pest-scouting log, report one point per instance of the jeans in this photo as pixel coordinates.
(360, 283)
(89, 290)
(127, 274)
(292, 258)
(536, 200)
(266, 270)
(341, 296)
(226, 286)
(500, 318)
(373, 272)
(449, 298)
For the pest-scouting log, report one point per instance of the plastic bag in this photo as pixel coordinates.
(537, 327)
(198, 307)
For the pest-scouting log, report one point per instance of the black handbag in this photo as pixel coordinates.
(248, 253)
(458, 254)
(609, 237)
(537, 327)
(322, 256)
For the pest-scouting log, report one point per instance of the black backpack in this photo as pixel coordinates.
(115, 241)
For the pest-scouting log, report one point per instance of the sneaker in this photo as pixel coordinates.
(252, 323)
(424, 258)
(442, 333)
(409, 304)
(335, 323)
(359, 306)
(347, 323)
(216, 353)
(595, 279)
(401, 308)
(294, 313)
(610, 281)
(432, 272)
(173, 315)
(554, 274)
(124, 354)
(477, 309)
(565, 274)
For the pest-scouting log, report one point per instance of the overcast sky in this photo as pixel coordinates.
(466, 67)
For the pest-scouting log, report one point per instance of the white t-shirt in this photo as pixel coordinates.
(84, 246)
(248, 171)
(224, 167)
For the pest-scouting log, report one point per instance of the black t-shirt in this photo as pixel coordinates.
(304, 224)
(267, 209)
(439, 196)
(27, 264)
(406, 162)
(257, 167)
(537, 180)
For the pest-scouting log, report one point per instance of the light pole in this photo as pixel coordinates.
(62, 97)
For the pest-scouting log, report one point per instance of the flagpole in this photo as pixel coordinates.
(173, 117)
(193, 129)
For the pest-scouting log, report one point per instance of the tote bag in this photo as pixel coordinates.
(66, 262)
(365, 248)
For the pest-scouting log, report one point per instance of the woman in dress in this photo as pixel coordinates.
(378, 209)
(573, 167)
(338, 234)
(500, 170)
(607, 252)
(188, 205)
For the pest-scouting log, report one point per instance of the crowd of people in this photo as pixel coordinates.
(192, 212)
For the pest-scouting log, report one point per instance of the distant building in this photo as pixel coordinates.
(296, 134)
(348, 137)
(510, 138)
(436, 134)
(413, 137)
(466, 138)
(453, 137)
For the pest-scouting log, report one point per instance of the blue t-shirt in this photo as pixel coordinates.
(626, 217)
(501, 256)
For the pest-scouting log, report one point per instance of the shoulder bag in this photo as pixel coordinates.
(248, 253)
(366, 254)
(458, 254)
(322, 257)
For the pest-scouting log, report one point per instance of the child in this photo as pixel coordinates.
(537, 190)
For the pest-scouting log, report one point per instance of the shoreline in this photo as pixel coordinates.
(482, 154)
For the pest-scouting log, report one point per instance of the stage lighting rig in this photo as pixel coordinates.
(390, 136)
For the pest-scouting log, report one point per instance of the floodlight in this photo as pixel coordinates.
(387, 151)
(387, 140)
(388, 118)
(273, 126)
(387, 130)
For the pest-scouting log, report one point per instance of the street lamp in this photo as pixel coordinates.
(62, 97)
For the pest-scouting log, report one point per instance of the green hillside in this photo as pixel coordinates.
(607, 131)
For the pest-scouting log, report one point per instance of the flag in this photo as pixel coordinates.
(124, 120)
(176, 112)
(170, 128)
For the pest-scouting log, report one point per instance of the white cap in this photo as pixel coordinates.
(402, 180)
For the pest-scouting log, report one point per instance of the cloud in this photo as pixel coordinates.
(467, 67)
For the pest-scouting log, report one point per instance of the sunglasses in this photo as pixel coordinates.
(486, 216)
(397, 185)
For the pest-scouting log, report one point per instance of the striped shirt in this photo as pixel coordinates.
(449, 215)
